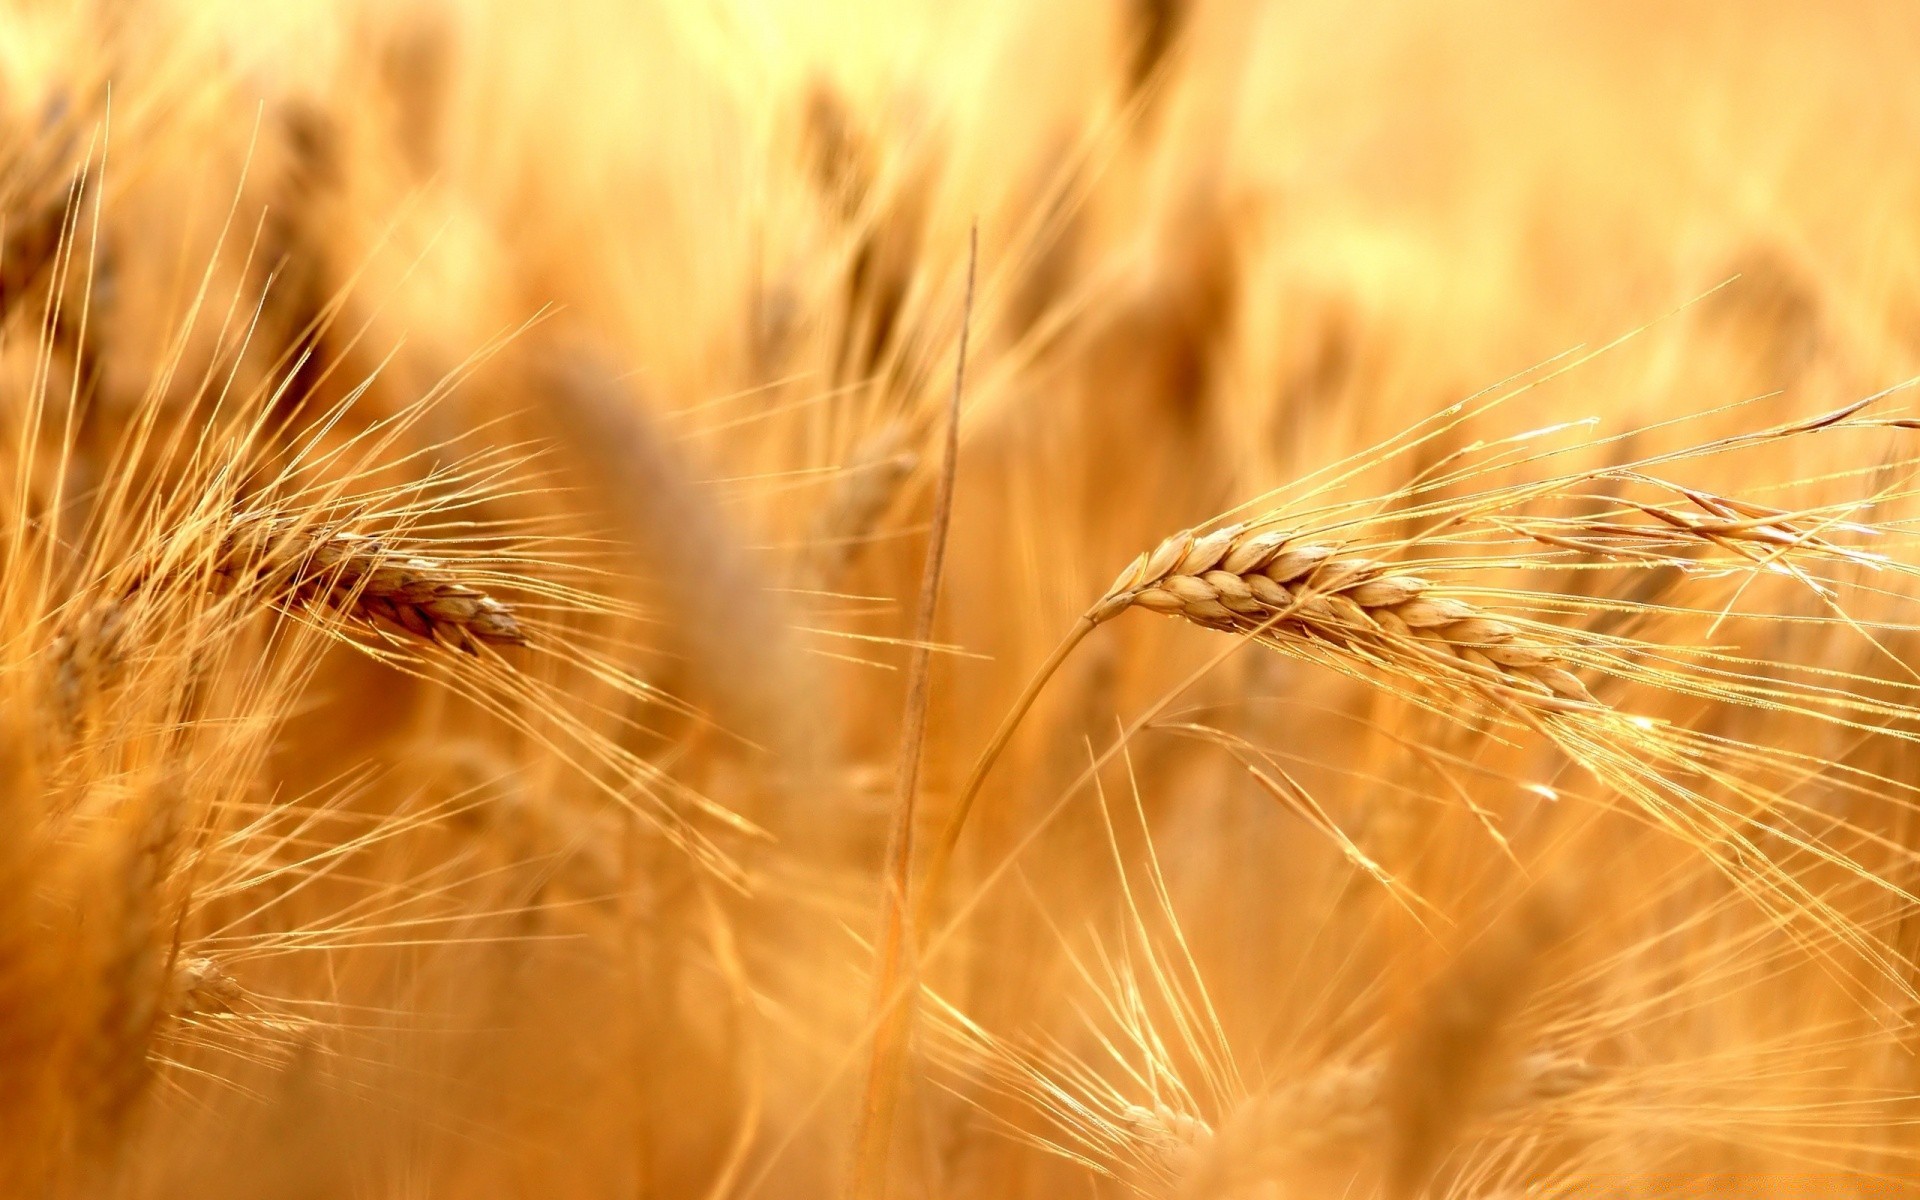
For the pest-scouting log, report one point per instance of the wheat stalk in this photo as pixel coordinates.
(896, 991)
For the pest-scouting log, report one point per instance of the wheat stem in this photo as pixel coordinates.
(896, 985)
(943, 850)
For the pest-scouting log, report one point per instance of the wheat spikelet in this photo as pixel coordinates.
(361, 579)
(202, 986)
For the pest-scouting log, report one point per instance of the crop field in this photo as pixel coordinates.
(1182, 599)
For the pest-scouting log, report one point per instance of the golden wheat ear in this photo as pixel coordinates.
(364, 581)
(1268, 584)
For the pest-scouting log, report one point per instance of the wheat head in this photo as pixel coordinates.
(1264, 582)
(360, 578)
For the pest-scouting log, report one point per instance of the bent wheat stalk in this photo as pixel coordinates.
(1265, 583)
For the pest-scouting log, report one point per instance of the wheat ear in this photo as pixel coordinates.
(1262, 582)
(361, 579)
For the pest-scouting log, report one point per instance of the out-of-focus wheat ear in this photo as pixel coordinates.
(41, 169)
(1265, 1136)
(1152, 29)
(1261, 1138)
(86, 657)
(137, 952)
(306, 194)
(1046, 251)
(1457, 1050)
(360, 579)
(416, 49)
(1166, 1141)
(30, 246)
(37, 1036)
(839, 155)
(736, 635)
(1772, 319)
(884, 211)
(866, 490)
(1147, 360)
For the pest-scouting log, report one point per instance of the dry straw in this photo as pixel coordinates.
(896, 986)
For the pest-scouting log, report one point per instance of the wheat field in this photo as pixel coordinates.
(1182, 599)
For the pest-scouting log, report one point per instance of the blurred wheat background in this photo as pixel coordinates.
(469, 477)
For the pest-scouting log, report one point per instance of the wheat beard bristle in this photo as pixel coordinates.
(360, 578)
(1240, 580)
